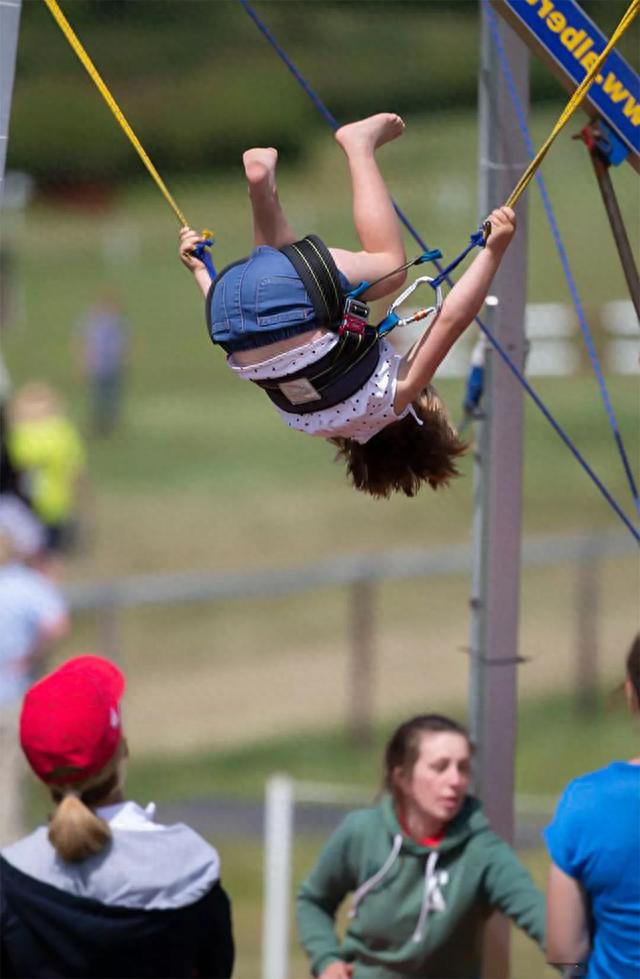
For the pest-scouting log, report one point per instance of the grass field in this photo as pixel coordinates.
(242, 670)
(556, 742)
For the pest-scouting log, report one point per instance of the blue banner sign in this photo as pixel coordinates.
(570, 42)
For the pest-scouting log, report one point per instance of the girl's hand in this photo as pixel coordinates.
(337, 970)
(503, 227)
(188, 241)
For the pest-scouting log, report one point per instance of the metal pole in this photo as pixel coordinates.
(498, 473)
(278, 834)
(601, 169)
(9, 25)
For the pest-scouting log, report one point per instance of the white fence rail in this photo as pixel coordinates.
(202, 586)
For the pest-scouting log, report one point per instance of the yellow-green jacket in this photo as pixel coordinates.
(50, 452)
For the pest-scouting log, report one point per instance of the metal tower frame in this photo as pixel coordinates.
(498, 471)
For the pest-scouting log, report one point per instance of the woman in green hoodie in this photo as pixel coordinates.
(423, 868)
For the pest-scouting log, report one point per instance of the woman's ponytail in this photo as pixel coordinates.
(75, 831)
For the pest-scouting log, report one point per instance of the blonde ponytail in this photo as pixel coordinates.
(76, 832)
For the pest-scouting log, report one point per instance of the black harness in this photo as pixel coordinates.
(330, 380)
(350, 364)
(314, 264)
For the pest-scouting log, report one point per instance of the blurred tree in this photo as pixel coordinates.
(198, 82)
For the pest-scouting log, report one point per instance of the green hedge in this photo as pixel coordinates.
(199, 84)
(71, 134)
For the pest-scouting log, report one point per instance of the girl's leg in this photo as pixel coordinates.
(374, 216)
(270, 225)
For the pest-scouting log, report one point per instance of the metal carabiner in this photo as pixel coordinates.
(421, 313)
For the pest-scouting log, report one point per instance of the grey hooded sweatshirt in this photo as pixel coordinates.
(149, 904)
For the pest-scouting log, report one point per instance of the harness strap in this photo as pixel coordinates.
(332, 379)
(312, 261)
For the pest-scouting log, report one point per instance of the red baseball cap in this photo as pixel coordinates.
(70, 722)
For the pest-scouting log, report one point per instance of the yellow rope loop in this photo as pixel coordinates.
(573, 104)
(75, 43)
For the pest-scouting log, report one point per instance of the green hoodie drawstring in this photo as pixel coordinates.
(432, 899)
(369, 884)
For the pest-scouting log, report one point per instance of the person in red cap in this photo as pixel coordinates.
(103, 890)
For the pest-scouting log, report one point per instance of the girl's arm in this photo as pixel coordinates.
(568, 940)
(459, 309)
(188, 241)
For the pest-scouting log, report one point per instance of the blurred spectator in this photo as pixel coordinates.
(12, 481)
(46, 447)
(16, 513)
(593, 915)
(20, 525)
(423, 867)
(104, 890)
(105, 342)
(32, 617)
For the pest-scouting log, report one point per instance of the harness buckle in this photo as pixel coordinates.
(355, 317)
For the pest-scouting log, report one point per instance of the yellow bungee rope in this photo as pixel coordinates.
(572, 105)
(75, 43)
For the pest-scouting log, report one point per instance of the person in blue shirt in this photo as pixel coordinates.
(105, 343)
(593, 893)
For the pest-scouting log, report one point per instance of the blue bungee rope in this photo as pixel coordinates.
(202, 252)
(477, 240)
(615, 506)
(319, 104)
(564, 259)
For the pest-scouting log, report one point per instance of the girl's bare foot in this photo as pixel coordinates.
(260, 168)
(270, 224)
(367, 134)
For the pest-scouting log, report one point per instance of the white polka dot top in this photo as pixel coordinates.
(361, 417)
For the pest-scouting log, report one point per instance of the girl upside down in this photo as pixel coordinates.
(279, 315)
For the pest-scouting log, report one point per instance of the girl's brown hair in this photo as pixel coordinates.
(404, 455)
(403, 747)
